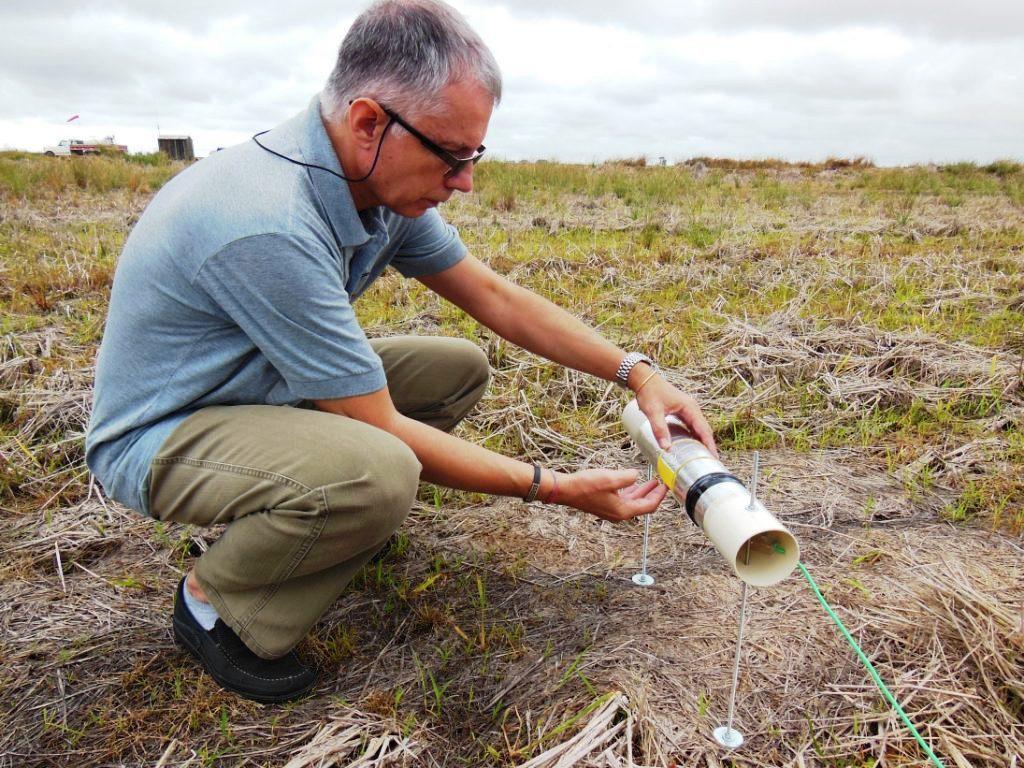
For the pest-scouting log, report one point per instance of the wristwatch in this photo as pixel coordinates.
(627, 365)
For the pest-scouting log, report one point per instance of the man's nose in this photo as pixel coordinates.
(462, 181)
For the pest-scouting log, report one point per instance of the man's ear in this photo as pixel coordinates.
(366, 120)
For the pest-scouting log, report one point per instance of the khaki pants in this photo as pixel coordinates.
(309, 496)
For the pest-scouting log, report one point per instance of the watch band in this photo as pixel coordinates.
(531, 495)
(627, 365)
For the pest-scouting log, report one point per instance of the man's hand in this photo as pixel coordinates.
(658, 399)
(611, 494)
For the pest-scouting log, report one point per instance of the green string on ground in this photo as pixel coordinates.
(867, 663)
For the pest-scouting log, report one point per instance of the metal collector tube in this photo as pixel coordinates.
(717, 502)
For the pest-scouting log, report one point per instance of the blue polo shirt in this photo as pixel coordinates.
(236, 287)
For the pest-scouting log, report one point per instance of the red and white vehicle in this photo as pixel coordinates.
(69, 147)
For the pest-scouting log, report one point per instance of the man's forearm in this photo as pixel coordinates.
(447, 460)
(528, 320)
(538, 325)
(455, 463)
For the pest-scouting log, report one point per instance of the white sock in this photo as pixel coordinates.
(204, 613)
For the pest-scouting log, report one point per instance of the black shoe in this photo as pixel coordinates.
(237, 669)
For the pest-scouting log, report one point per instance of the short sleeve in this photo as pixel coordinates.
(428, 245)
(287, 295)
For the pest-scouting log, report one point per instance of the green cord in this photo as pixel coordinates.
(870, 667)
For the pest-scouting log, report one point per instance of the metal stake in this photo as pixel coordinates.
(753, 482)
(725, 734)
(644, 579)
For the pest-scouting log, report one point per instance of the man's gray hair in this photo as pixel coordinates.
(402, 53)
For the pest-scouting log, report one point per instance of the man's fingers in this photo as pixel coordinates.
(638, 491)
(698, 425)
(645, 503)
(702, 431)
(634, 501)
(653, 487)
(706, 436)
(624, 478)
(658, 492)
(660, 428)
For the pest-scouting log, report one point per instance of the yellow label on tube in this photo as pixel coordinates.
(666, 473)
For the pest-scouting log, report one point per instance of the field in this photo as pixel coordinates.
(863, 328)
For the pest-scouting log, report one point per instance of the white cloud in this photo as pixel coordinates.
(900, 82)
(940, 19)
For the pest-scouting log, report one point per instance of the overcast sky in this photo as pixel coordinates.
(898, 81)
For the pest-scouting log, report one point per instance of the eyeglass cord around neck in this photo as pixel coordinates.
(376, 157)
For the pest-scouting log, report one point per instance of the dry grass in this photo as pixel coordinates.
(861, 327)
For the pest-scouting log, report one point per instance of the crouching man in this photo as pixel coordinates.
(234, 384)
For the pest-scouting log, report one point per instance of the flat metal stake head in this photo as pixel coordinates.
(728, 737)
(643, 579)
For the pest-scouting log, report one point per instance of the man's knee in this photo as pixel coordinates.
(473, 360)
(381, 492)
(396, 477)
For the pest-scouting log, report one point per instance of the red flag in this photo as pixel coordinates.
(73, 117)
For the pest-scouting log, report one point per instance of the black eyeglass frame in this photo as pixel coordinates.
(455, 164)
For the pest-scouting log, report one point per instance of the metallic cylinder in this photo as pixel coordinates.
(717, 501)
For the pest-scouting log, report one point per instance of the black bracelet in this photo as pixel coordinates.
(531, 495)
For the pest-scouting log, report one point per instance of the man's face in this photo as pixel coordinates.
(409, 178)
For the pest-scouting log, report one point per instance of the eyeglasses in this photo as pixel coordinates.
(455, 164)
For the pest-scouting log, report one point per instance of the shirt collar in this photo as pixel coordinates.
(310, 144)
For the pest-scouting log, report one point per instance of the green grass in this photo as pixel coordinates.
(35, 177)
(665, 256)
(668, 260)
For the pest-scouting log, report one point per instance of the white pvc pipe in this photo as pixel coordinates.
(717, 502)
